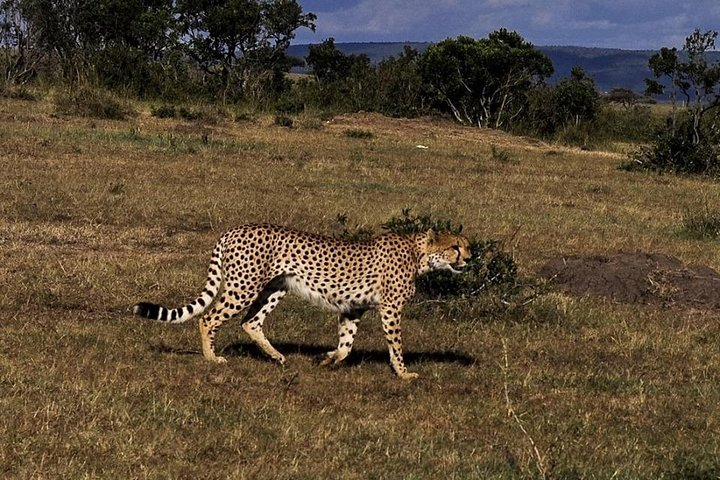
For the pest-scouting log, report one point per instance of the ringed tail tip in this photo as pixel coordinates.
(146, 310)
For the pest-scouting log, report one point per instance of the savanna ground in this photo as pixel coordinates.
(97, 215)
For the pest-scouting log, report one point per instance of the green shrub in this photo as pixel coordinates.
(189, 114)
(489, 268)
(408, 223)
(354, 234)
(290, 104)
(18, 93)
(491, 275)
(89, 101)
(501, 155)
(244, 117)
(359, 133)
(634, 124)
(164, 111)
(583, 135)
(588, 124)
(678, 151)
(283, 121)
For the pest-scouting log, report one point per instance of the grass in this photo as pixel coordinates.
(89, 101)
(96, 215)
(702, 224)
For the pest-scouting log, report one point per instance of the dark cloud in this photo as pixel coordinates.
(634, 24)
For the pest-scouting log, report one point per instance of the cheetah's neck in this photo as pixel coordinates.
(422, 260)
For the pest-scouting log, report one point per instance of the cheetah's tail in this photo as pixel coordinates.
(194, 308)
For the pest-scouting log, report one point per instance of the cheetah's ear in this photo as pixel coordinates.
(431, 236)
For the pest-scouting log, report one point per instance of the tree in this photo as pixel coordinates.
(483, 82)
(347, 82)
(243, 42)
(19, 52)
(664, 65)
(328, 64)
(401, 91)
(696, 79)
(128, 42)
(576, 98)
(55, 33)
(689, 143)
(572, 101)
(624, 96)
(115, 41)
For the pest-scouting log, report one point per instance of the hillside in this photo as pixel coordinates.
(610, 68)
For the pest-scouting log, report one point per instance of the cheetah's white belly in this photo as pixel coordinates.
(300, 287)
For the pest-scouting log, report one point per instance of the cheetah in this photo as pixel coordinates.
(259, 264)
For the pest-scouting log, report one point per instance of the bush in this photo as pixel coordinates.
(491, 273)
(501, 155)
(583, 135)
(355, 234)
(359, 133)
(88, 101)
(489, 269)
(189, 114)
(407, 224)
(290, 104)
(163, 111)
(18, 93)
(244, 117)
(676, 151)
(610, 124)
(283, 121)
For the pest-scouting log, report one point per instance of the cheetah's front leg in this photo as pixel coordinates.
(347, 327)
(390, 315)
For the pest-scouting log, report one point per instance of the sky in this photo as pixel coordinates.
(626, 24)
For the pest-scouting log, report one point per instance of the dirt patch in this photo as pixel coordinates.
(651, 279)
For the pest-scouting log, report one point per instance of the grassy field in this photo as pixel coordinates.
(96, 215)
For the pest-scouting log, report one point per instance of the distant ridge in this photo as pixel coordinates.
(609, 67)
(375, 50)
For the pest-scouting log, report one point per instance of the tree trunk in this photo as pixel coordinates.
(454, 110)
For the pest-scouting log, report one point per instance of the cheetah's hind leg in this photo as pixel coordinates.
(228, 305)
(210, 322)
(261, 307)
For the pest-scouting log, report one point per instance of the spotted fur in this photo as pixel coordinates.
(259, 264)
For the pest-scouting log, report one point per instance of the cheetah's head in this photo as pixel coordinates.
(447, 251)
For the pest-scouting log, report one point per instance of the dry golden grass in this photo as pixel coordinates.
(96, 215)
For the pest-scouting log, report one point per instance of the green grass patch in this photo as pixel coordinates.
(358, 133)
(703, 225)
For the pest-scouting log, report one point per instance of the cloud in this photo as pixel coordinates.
(634, 24)
(384, 18)
(506, 3)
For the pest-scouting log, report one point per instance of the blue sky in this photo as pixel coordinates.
(630, 24)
